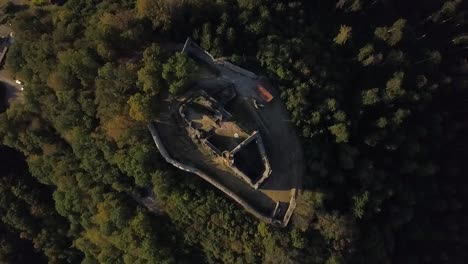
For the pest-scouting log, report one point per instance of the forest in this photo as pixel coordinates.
(376, 89)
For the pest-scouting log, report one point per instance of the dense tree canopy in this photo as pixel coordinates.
(376, 90)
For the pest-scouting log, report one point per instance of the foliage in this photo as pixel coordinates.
(178, 72)
(380, 114)
(392, 35)
(340, 132)
(140, 107)
(149, 76)
(344, 35)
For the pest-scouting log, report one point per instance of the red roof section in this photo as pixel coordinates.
(264, 93)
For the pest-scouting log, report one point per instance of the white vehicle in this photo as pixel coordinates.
(18, 82)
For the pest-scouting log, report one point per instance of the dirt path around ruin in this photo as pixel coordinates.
(279, 136)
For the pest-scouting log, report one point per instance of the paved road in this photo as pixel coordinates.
(13, 90)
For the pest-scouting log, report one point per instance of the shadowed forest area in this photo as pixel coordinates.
(377, 91)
